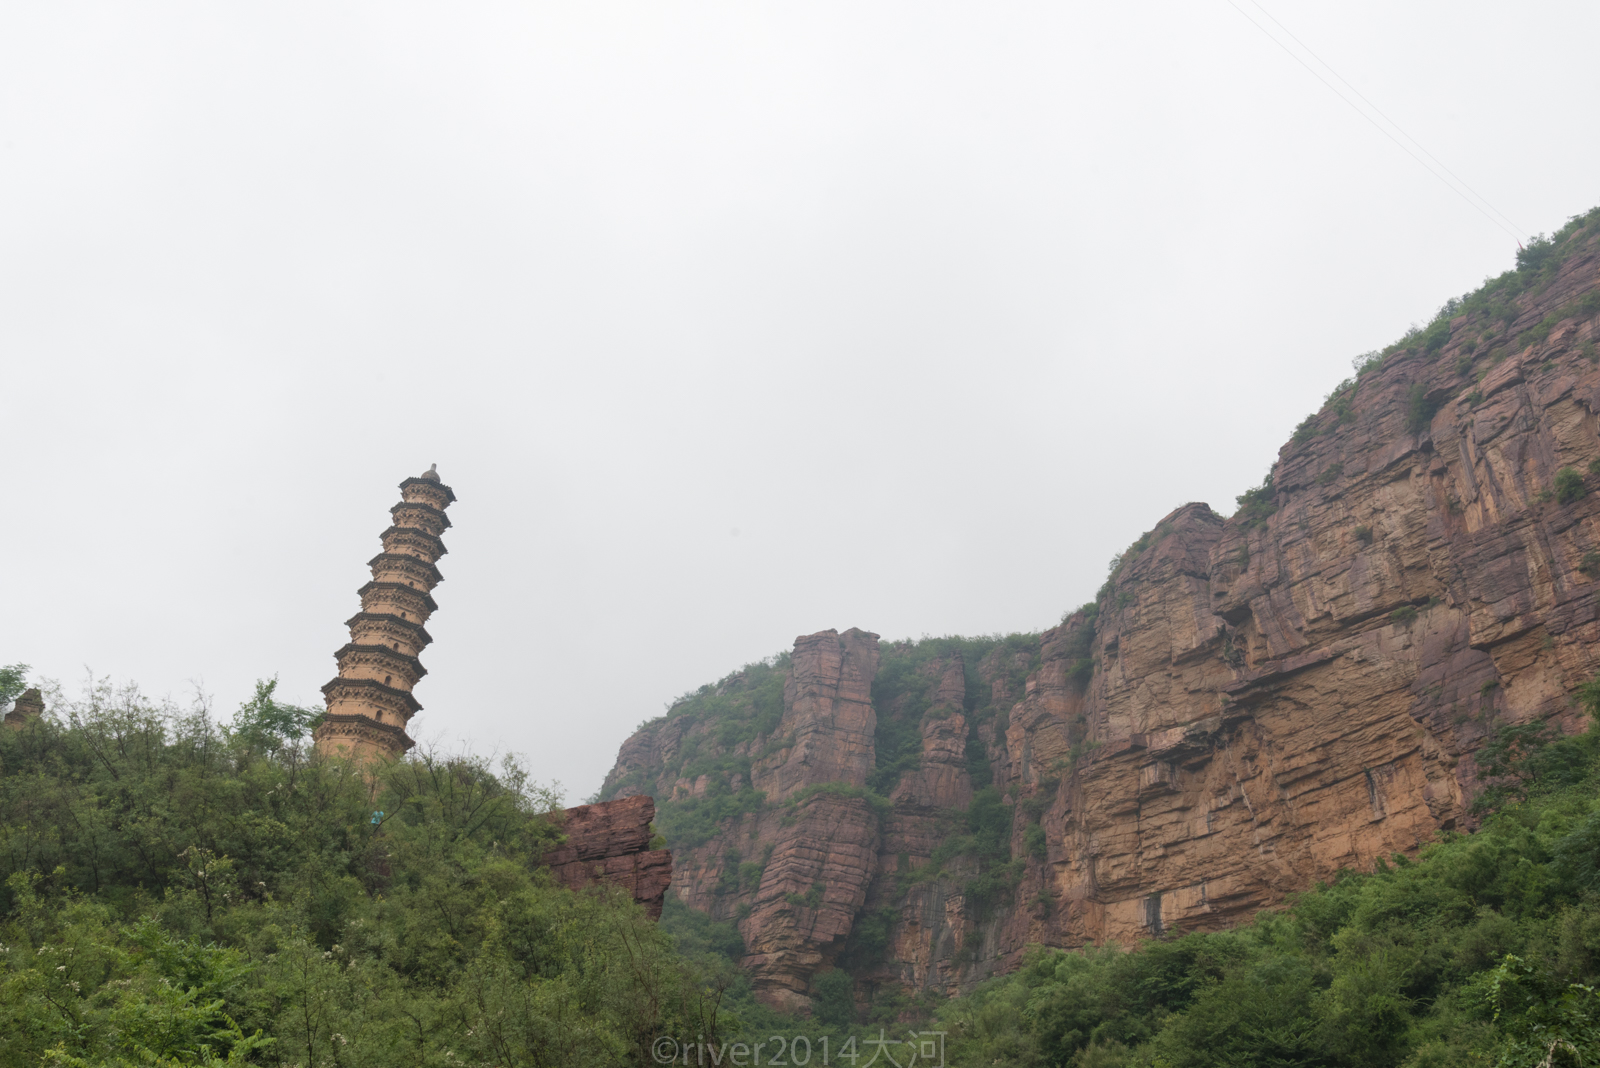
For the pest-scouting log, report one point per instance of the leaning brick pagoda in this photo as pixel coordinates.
(370, 702)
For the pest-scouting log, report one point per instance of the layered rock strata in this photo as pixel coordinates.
(609, 844)
(1252, 703)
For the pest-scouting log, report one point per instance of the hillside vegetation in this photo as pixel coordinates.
(180, 892)
(177, 892)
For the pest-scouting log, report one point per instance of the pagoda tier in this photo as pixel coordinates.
(381, 664)
(413, 542)
(418, 514)
(370, 701)
(397, 599)
(376, 628)
(428, 492)
(403, 567)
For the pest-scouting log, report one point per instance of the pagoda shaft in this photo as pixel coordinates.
(370, 701)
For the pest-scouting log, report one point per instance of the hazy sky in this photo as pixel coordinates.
(726, 322)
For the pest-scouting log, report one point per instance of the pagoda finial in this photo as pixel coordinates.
(369, 701)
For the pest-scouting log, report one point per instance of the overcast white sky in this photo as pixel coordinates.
(726, 322)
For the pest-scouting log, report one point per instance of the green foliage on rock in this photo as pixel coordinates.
(1420, 410)
(1256, 504)
(903, 691)
(1569, 485)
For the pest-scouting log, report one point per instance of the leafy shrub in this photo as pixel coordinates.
(1342, 405)
(1403, 615)
(1420, 409)
(811, 899)
(1569, 485)
(1364, 535)
(1256, 504)
(833, 998)
(877, 802)
(1366, 363)
(1538, 252)
(1434, 337)
(1330, 473)
(1475, 398)
(1590, 564)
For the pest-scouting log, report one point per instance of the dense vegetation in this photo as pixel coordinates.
(180, 892)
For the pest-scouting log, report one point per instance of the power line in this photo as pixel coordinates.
(1420, 146)
(1381, 129)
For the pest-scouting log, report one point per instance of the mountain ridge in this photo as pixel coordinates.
(1250, 705)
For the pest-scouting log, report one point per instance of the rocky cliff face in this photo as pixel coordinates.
(1252, 703)
(609, 844)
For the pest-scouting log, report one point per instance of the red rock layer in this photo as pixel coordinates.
(609, 843)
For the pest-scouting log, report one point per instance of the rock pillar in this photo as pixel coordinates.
(370, 701)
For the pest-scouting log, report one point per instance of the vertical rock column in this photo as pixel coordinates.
(370, 701)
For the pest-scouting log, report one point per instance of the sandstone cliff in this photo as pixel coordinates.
(609, 844)
(1251, 704)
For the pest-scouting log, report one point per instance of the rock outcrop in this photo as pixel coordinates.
(609, 844)
(1252, 703)
(28, 706)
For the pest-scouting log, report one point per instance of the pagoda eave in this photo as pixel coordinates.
(401, 587)
(405, 559)
(385, 736)
(384, 617)
(437, 513)
(394, 693)
(417, 480)
(436, 544)
(407, 663)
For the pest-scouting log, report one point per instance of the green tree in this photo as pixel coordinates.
(13, 680)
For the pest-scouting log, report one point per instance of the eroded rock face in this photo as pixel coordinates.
(609, 843)
(1258, 702)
